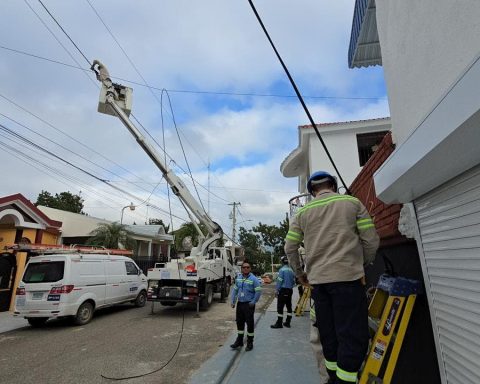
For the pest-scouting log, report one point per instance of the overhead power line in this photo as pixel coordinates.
(191, 91)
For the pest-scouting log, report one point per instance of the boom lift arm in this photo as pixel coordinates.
(111, 97)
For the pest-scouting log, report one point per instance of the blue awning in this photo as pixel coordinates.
(364, 49)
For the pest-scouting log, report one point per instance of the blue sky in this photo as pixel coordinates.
(208, 46)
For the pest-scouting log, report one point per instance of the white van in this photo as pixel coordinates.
(58, 285)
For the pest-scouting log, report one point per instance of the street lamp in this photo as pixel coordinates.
(132, 208)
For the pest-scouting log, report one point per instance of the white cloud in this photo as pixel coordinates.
(210, 45)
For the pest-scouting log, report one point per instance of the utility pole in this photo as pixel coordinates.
(234, 219)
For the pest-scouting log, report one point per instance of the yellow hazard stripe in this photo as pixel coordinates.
(331, 365)
(294, 236)
(328, 200)
(351, 377)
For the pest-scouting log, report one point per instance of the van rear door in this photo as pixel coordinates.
(39, 278)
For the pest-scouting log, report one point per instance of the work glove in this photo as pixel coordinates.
(251, 305)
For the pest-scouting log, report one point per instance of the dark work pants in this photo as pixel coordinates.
(284, 299)
(245, 315)
(342, 320)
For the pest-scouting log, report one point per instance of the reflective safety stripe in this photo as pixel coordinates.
(241, 332)
(250, 334)
(235, 287)
(279, 279)
(280, 315)
(351, 377)
(312, 313)
(328, 200)
(331, 365)
(365, 223)
(258, 289)
(294, 236)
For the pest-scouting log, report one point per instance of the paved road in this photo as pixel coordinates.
(119, 342)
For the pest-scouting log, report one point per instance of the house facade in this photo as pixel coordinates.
(430, 54)
(351, 144)
(151, 240)
(20, 222)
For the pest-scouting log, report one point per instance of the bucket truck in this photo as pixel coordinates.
(209, 268)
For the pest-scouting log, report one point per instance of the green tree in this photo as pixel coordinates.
(159, 222)
(187, 230)
(273, 236)
(112, 235)
(263, 243)
(66, 201)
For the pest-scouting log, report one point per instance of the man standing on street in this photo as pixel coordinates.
(339, 238)
(246, 291)
(283, 292)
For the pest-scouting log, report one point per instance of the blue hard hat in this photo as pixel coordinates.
(320, 177)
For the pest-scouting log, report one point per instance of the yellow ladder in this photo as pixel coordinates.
(302, 301)
(390, 310)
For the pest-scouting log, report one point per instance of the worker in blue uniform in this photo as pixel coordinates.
(284, 291)
(245, 293)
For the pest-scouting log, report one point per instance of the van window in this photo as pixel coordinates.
(131, 268)
(48, 272)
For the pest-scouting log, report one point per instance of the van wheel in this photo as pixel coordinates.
(141, 299)
(37, 322)
(208, 298)
(84, 314)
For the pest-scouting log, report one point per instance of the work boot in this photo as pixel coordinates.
(238, 342)
(249, 346)
(278, 324)
(287, 322)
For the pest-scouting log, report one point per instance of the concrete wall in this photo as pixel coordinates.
(426, 45)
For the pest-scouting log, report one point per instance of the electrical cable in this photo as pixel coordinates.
(191, 91)
(65, 32)
(299, 96)
(58, 41)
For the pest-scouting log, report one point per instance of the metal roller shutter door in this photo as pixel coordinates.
(449, 226)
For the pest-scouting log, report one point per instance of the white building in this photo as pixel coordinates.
(151, 240)
(430, 53)
(350, 144)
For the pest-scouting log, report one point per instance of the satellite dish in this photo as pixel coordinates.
(187, 243)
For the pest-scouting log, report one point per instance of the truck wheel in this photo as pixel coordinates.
(208, 298)
(141, 299)
(225, 290)
(37, 322)
(84, 313)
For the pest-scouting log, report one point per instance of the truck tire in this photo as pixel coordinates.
(141, 299)
(225, 291)
(84, 314)
(208, 298)
(37, 322)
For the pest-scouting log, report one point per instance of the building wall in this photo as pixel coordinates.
(385, 216)
(422, 62)
(344, 151)
(48, 238)
(7, 236)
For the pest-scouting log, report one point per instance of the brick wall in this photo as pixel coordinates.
(385, 216)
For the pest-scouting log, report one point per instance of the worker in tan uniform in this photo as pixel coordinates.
(339, 239)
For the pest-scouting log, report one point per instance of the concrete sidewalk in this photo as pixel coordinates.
(279, 355)
(9, 323)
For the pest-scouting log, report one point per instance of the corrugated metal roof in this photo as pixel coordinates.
(364, 47)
